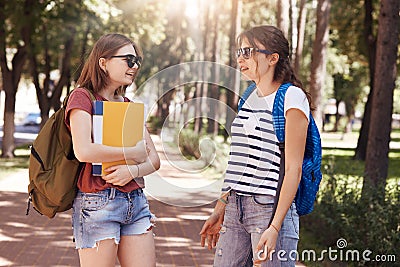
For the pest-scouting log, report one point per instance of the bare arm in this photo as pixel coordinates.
(152, 163)
(295, 140)
(123, 174)
(210, 230)
(87, 151)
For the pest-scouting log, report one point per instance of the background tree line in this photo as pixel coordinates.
(347, 50)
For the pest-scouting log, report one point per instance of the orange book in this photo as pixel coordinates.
(118, 124)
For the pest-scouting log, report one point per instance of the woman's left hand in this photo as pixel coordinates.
(118, 175)
(267, 243)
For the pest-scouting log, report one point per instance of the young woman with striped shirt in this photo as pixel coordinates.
(238, 226)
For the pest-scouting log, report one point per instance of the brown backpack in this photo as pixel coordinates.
(53, 167)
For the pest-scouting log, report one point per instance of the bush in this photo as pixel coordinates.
(369, 222)
(154, 124)
(188, 142)
(213, 152)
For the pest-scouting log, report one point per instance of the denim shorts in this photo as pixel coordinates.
(109, 214)
(246, 218)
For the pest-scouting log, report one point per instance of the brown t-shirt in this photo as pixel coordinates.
(80, 99)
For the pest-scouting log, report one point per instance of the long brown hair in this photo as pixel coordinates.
(274, 41)
(92, 76)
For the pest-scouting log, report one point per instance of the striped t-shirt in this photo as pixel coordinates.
(254, 158)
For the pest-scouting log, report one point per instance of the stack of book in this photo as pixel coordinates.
(118, 124)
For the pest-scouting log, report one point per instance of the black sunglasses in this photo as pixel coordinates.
(131, 60)
(247, 52)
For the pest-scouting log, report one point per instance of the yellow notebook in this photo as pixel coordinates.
(118, 124)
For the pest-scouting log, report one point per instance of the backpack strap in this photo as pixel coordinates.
(92, 97)
(246, 94)
(278, 119)
(278, 116)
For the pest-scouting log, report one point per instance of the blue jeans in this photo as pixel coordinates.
(246, 218)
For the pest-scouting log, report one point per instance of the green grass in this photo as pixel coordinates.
(340, 162)
(395, 135)
(21, 161)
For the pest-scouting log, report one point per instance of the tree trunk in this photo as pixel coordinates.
(337, 117)
(64, 71)
(41, 93)
(370, 40)
(232, 92)
(83, 52)
(319, 57)
(301, 28)
(293, 14)
(212, 120)
(10, 85)
(12, 77)
(201, 86)
(377, 160)
(8, 144)
(165, 101)
(198, 121)
(282, 16)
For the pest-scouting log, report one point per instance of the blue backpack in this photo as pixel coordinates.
(311, 169)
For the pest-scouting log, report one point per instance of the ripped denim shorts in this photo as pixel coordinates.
(109, 214)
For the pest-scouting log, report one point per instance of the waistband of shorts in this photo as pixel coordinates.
(233, 192)
(112, 192)
(135, 192)
(245, 194)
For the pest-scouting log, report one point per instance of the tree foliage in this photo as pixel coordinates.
(60, 34)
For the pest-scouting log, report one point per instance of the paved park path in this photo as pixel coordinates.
(180, 195)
